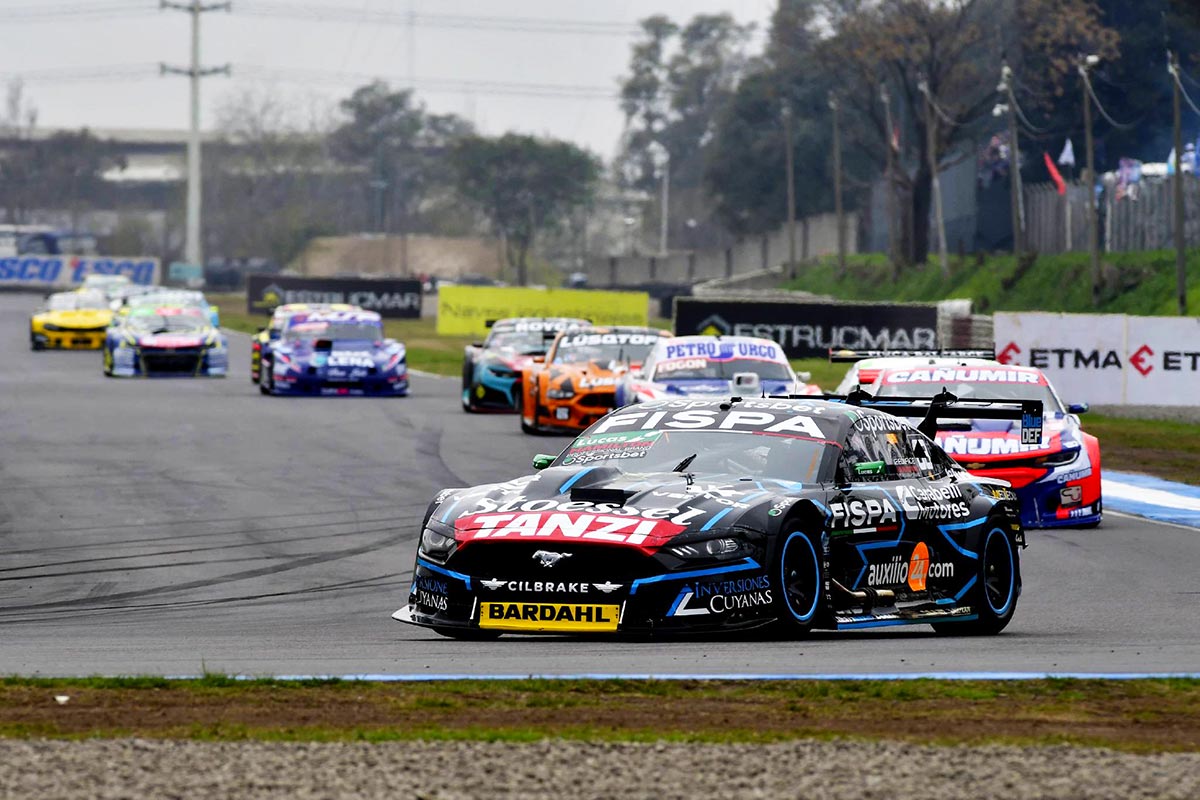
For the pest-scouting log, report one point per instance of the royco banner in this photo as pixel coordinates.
(809, 330)
(1107, 359)
(391, 297)
(465, 310)
(69, 271)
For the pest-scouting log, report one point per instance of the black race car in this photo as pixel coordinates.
(492, 368)
(688, 515)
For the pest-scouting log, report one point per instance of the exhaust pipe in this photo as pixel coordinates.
(869, 598)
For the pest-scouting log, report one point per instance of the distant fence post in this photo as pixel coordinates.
(612, 270)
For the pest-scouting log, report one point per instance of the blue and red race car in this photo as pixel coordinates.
(335, 353)
(1056, 478)
(491, 378)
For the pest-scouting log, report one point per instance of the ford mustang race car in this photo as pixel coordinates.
(1056, 476)
(575, 383)
(169, 341)
(263, 339)
(686, 514)
(335, 353)
(491, 379)
(70, 321)
(708, 366)
(866, 365)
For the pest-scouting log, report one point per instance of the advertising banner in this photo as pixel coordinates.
(1107, 359)
(38, 271)
(809, 330)
(1083, 355)
(392, 298)
(465, 310)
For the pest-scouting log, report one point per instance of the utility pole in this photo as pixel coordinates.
(1180, 241)
(1089, 178)
(931, 149)
(790, 169)
(835, 107)
(192, 247)
(893, 248)
(1014, 161)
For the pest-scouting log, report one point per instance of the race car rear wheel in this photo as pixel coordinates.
(266, 377)
(801, 582)
(997, 585)
(467, 634)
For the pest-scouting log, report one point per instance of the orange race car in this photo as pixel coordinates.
(574, 384)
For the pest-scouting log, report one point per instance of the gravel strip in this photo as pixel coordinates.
(133, 768)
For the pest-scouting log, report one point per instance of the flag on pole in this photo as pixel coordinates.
(1055, 175)
(1067, 157)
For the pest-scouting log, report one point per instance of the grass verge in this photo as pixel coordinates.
(1141, 716)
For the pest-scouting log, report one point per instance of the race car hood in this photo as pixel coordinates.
(76, 318)
(587, 376)
(997, 439)
(344, 353)
(602, 505)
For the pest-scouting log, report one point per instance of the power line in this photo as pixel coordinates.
(1092, 93)
(143, 71)
(1174, 71)
(44, 12)
(309, 11)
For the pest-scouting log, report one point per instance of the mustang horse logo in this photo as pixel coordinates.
(548, 559)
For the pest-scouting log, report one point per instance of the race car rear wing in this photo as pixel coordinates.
(945, 405)
(844, 356)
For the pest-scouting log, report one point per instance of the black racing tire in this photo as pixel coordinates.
(34, 344)
(468, 378)
(997, 587)
(800, 567)
(108, 363)
(466, 634)
(266, 379)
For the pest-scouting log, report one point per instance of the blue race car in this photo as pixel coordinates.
(335, 353)
(492, 369)
(151, 342)
(711, 366)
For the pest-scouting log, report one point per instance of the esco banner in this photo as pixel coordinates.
(465, 310)
(36, 271)
(1107, 359)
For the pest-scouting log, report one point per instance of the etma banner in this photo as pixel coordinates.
(1107, 359)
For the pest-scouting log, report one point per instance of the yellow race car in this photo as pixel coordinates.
(71, 321)
(262, 340)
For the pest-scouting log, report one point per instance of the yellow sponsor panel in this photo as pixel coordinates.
(565, 617)
(465, 310)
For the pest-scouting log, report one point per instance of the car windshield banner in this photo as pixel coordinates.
(809, 330)
(395, 298)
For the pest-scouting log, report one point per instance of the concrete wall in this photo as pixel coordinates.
(442, 256)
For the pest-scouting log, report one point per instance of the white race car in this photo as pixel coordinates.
(866, 365)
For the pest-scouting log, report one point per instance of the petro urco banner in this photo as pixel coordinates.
(391, 297)
(69, 271)
(809, 330)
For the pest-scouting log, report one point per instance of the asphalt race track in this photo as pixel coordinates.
(175, 526)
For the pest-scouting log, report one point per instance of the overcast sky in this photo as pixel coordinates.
(93, 62)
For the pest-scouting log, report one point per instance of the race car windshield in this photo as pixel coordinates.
(571, 350)
(336, 331)
(72, 301)
(527, 342)
(685, 369)
(745, 455)
(168, 323)
(970, 391)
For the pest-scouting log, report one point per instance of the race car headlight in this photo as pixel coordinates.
(560, 394)
(436, 545)
(1065, 456)
(723, 549)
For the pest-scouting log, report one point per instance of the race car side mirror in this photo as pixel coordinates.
(477, 344)
(1078, 408)
(804, 376)
(539, 359)
(541, 461)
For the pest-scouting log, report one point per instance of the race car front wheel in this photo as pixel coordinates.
(994, 592)
(801, 571)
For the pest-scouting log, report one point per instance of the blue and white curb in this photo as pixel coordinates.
(1153, 498)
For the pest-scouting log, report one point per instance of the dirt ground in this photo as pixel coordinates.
(1124, 716)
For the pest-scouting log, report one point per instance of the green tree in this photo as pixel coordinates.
(523, 185)
(399, 146)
